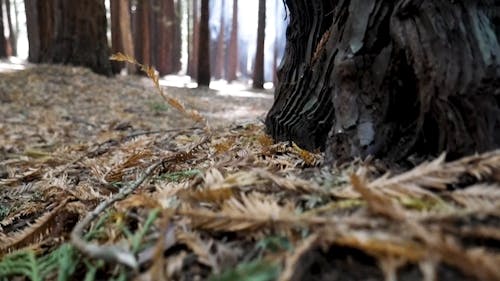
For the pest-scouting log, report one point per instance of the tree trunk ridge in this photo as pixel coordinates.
(389, 78)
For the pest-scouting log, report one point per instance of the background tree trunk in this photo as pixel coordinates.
(193, 50)
(389, 78)
(127, 43)
(204, 46)
(12, 31)
(220, 49)
(258, 70)
(142, 40)
(33, 30)
(116, 37)
(168, 41)
(68, 32)
(232, 67)
(3, 41)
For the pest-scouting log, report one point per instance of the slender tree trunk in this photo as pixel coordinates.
(116, 37)
(232, 67)
(220, 47)
(177, 54)
(389, 78)
(33, 29)
(168, 59)
(193, 55)
(258, 71)
(142, 32)
(127, 42)
(3, 41)
(204, 46)
(12, 31)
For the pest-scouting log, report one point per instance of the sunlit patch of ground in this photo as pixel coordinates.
(12, 64)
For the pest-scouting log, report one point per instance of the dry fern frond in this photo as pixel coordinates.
(478, 197)
(378, 202)
(438, 174)
(151, 73)
(198, 246)
(26, 177)
(291, 262)
(292, 183)
(33, 233)
(310, 159)
(216, 196)
(116, 173)
(474, 262)
(251, 212)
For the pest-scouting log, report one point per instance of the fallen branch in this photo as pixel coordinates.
(109, 253)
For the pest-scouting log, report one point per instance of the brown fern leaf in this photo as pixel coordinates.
(478, 197)
(216, 196)
(123, 58)
(33, 233)
(252, 212)
(117, 172)
(310, 159)
(29, 209)
(151, 73)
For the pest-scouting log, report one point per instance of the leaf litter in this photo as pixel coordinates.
(99, 179)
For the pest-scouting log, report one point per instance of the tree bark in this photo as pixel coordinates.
(232, 67)
(116, 37)
(168, 23)
(204, 46)
(33, 30)
(67, 32)
(258, 70)
(389, 78)
(142, 38)
(3, 41)
(219, 57)
(193, 50)
(127, 42)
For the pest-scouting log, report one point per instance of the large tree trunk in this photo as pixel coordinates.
(142, 40)
(68, 32)
(203, 76)
(3, 41)
(389, 78)
(258, 70)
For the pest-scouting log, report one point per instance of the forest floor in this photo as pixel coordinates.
(101, 179)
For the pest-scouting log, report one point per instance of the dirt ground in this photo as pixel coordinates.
(89, 161)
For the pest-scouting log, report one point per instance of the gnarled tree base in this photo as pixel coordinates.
(390, 78)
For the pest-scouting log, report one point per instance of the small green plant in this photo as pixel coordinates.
(158, 107)
(275, 244)
(252, 271)
(178, 176)
(62, 261)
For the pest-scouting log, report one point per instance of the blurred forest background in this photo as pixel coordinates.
(166, 35)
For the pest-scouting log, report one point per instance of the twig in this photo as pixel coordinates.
(137, 134)
(109, 253)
